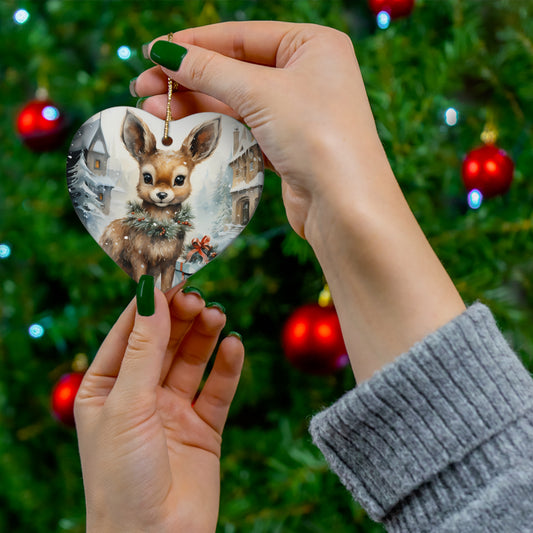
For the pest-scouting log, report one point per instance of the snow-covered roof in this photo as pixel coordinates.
(85, 135)
(243, 186)
(246, 141)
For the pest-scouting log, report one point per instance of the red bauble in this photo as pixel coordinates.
(63, 396)
(312, 340)
(395, 8)
(489, 170)
(41, 125)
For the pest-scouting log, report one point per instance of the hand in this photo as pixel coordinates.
(150, 452)
(313, 101)
(299, 87)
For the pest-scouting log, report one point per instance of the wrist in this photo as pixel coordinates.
(389, 287)
(364, 190)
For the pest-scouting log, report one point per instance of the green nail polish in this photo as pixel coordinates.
(220, 307)
(140, 102)
(167, 54)
(145, 296)
(146, 50)
(193, 290)
(235, 334)
(133, 92)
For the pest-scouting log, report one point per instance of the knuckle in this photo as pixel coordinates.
(78, 409)
(200, 66)
(194, 358)
(238, 46)
(217, 400)
(138, 344)
(336, 37)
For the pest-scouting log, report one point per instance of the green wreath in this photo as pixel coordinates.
(139, 219)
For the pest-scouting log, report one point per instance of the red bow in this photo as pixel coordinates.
(198, 247)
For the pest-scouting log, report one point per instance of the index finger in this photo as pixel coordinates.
(251, 41)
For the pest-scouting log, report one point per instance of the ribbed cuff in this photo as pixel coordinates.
(429, 429)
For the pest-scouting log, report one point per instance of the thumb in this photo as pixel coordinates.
(233, 82)
(140, 370)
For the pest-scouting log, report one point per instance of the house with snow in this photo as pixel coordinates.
(91, 156)
(247, 176)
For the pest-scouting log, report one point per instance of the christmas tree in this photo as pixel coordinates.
(436, 78)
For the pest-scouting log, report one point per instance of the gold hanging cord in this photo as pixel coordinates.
(172, 86)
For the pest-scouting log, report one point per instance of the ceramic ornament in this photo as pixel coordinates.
(168, 208)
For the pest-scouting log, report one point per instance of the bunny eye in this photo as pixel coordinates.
(148, 178)
(179, 180)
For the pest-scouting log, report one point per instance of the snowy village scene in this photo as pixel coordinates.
(161, 210)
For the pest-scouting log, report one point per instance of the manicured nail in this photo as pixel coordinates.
(167, 54)
(146, 50)
(193, 290)
(218, 306)
(140, 102)
(145, 296)
(235, 334)
(133, 92)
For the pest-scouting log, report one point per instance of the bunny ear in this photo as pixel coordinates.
(137, 137)
(202, 140)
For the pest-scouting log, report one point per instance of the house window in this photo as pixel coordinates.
(245, 211)
(97, 163)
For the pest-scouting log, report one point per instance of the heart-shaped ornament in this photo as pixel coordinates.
(163, 209)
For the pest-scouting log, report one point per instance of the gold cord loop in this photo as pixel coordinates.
(172, 86)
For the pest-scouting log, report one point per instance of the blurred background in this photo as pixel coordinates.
(439, 74)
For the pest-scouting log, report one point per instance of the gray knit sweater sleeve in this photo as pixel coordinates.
(440, 440)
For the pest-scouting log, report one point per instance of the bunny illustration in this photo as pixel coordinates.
(149, 239)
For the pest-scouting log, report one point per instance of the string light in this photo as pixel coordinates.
(21, 16)
(475, 199)
(383, 20)
(5, 251)
(451, 116)
(124, 52)
(36, 331)
(50, 112)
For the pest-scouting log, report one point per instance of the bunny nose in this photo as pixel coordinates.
(162, 195)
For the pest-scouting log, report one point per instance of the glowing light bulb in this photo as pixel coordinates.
(451, 116)
(5, 251)
(36, 331)
(124, 52)
(50, 112)
(21, 16)
(475, 199)
(383, 20)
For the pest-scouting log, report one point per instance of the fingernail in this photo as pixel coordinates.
(235, 334)
(193, 290)
(218, 306)
(140, 102)
(133, 92)
(167, 54)
(145, 296)
(146, 50)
